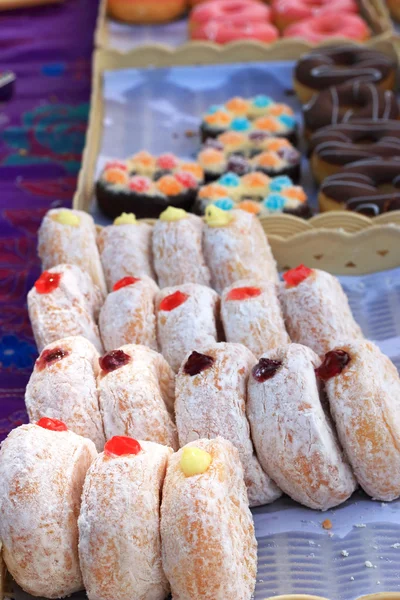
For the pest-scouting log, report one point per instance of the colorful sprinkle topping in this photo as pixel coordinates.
(144, 158)
(279, 183)
(267, 159)
(238, 106)
(173, 214)
(210, 156)
(240, 124)
(169, 185)
(140, 184)
(212, 191)
(218, 118)
(52, 424)
(116, 164)
(125, 219)
(124, 282)
(229, 179)
(288, 121)
(295, 193)
(215, 217)
(120, 445)
(196, 363)
(274, 203)
(255, 179)
(266, 124)
(334, 363)
(173, 301)
(224, 203)
(194, 169)
(116, 176)
(295, 276)
(244, 293)
(250, 206)
(48, 357)
(113, 360)
(194, 461)
(262, 101)
(188, 180)
(265, 369)
(67, 217)
(47, 282)
(167, 161)
(232, 138)
(215, 108)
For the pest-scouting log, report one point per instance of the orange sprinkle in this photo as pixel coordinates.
(115, 176)
(169, 185)
(255, 179)
(266, 123)
(275, 144)
(250, 206)
(212, 191)
(143, 157)
(296, 193)
(266, 159)
(327, 524)
(280, 109)
(231, 137)
(238, 106)
(194, 169)
(218, 118)
(211, 156)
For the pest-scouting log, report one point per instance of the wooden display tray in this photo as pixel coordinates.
(375, 13)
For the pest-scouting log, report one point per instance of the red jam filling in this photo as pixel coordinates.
(113, 360)
(119, 445)
(124, 282)
(265, 369)
(47, 282)
(296, 276)
(187, 179)
(196, 363)
(50, 356)
(243, 293)
(334, 363)
(173, 301)
(52, 424)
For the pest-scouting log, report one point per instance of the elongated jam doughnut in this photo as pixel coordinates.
(127, 315)
(136, 395)
(352, 100)
(211, 401)
(42, 470)
(209, 549)
(177, 249)
(69, 236)
(63, 386)
(363, 389)
(186, 319)
(316, 310)
(333, 65)
(236, 247)
(64, 302)
(252, 316)
(119, 522)
(336, 146)
(125, 249)
(370, 187)
(293, 436)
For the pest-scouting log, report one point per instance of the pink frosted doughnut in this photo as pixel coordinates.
(232, 11)
(223, 32)
(286, 12)
(324, 27)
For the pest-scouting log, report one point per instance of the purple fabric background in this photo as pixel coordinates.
(42, 131)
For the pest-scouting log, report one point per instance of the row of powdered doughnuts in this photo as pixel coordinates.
(180, 248)
(130, 523)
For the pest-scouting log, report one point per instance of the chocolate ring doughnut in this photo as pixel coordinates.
(343, 103)
(335, 65)
(369, 187)
(335, 146)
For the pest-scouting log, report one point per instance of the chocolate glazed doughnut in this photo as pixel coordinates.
(335, 65)
(335, 146)
(343, 103)
(370, 187)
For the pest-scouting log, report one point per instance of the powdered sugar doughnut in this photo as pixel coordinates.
(63, 386)
(252, 316)
(64, 302)
(363, 389)
(186, 319)
(136, 395)
(177, 249)
(236, 247)
(209, 549)
(293, 436)
(127, 315)
(119, 522)
(41, 478)
(125, 249)
(316, 309)
(211, 401)
(69, 236)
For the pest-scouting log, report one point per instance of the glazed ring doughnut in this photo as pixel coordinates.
(324, 27)
(228, 12)
(286, 12)
(352, 100)
(224, 32)
(335, 146)
(369, 187)
(335, 65)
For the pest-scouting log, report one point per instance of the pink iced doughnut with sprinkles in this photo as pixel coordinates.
(69, 236)
(42, 470)
(125, 249)
(236, 247)
(63, 386)
(127, 315)
(136, 395)
(186, 319)
(119, 522)
(252, 316)
(211, 391)
(177, 249)
(64, 302)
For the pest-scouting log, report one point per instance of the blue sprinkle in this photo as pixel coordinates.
(240, 124)
(287, 120)
(274, 202)
(225, 203)
(216, 108)
(280, 183)
(230, 179)
(261, 101)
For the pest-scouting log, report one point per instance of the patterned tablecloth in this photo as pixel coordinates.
(42, 131)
